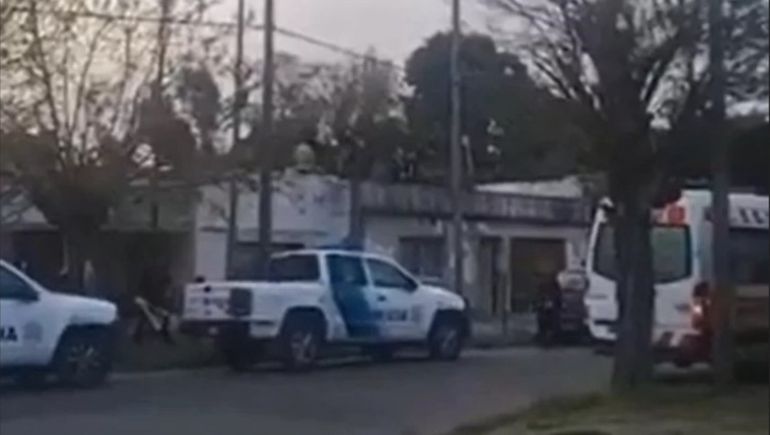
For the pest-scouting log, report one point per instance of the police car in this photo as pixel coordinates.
(42, 332)
(318, 298)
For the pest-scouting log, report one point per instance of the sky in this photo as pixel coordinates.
(393, 28)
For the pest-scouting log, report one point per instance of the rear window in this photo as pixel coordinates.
(671, 249)
(294, 268)
(749, 257)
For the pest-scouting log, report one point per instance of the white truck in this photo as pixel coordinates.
(682, 246)
(43, 332)
(318, 298)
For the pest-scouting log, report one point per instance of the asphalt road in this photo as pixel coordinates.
(405, 397)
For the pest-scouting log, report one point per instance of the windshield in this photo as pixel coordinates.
(670, 247)
(294, 268)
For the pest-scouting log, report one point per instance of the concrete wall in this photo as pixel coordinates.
(308, 210)
(383, 233)
(210, 254)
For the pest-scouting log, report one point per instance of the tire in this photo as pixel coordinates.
(300, 342)
(83, 359)
(446, 340)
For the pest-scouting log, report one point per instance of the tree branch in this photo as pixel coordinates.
(83, 80)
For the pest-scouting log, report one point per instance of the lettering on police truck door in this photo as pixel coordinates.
(21, 330)
(10, 336)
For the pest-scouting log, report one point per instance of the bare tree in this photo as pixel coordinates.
(72, 91)
(636, 74)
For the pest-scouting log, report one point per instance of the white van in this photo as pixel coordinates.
(682, 247)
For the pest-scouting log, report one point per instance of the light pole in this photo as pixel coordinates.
(456, 166)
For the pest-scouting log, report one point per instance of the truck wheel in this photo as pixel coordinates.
(300, 342)
(83, 359)
(446, 340)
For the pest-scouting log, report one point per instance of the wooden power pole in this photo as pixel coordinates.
(723, 346)
(266, 154)
(232, 217)
(158, 103)
(456, 165)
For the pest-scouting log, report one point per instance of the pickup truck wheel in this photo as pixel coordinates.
(300, 343)
(446, 340)
(83, 359)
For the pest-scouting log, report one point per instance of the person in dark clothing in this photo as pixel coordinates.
(549, 307)
(153, 304)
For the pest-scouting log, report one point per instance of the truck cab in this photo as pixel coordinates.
(43, 332)
(321, 298)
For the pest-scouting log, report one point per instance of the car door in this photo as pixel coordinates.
(21, 333)
(352, 295)
(399, 312)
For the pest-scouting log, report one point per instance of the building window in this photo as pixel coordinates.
(423, 256)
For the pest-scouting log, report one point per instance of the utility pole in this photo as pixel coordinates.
(723, 346)
(157, 101)
(456, 169)
(356, 225)
(266, 156)
(232, 217)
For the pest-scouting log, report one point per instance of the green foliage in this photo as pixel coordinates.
(347, 113)
(507, 118)
(631, 68)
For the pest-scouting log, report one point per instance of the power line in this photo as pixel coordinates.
(64, 14)
(311, 40)
(335, 48)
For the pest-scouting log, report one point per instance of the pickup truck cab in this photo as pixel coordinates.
(43, 332)
(316, 298)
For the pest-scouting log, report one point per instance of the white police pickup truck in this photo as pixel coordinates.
(42, 333)
(317, 298)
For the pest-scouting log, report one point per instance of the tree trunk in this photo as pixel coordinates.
(636, 297)
(76, 249)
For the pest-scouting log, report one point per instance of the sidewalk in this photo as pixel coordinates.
(519, 330)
